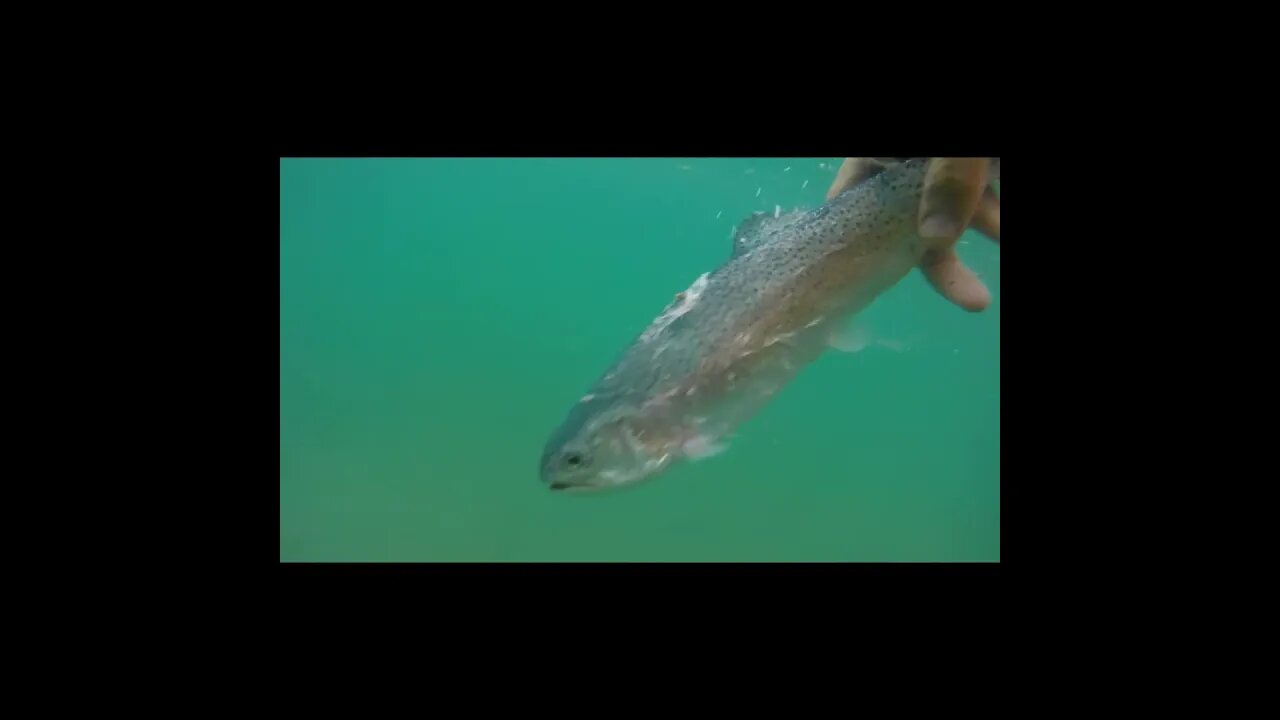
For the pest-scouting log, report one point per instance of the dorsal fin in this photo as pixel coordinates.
(758, 228)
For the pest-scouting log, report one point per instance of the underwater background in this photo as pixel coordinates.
(439, 317)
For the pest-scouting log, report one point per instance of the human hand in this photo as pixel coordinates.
(957, 195)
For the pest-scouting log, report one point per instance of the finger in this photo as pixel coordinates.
(952, 189)
(954, 281)
(986, 219)
(853, 171)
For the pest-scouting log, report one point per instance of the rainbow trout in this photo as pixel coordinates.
(726, 345)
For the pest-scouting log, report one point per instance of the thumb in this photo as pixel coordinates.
(953, 187)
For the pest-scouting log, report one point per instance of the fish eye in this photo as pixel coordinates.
(573, 458)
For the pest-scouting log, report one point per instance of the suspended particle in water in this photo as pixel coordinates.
(786, 169)
(718, 214)
(805, 185)
(758, 191)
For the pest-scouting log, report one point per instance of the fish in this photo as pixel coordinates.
(723, 348)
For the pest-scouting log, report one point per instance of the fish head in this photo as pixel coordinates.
(600, 448)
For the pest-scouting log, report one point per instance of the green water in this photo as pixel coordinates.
(439, 317)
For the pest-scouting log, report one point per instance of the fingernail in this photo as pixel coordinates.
(939, 226)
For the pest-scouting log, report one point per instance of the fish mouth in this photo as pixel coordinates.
(606, 481)
(609, 482)
(566, 488)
